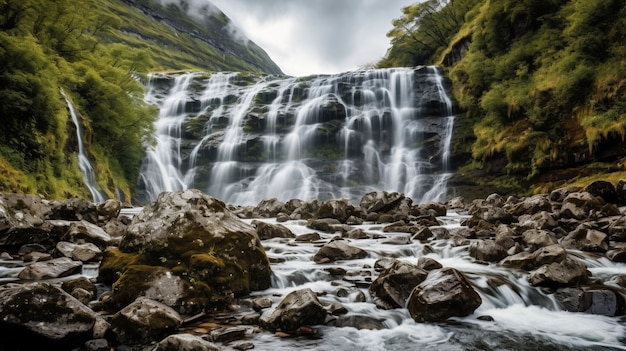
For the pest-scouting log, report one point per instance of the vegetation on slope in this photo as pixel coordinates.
(543, 82)
(96, 52)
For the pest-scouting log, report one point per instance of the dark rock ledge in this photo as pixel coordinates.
(178, 274)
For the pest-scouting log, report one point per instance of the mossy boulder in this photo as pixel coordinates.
(192, 236)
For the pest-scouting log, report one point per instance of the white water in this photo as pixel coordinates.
(524, 317)
(377, 145)
(83, 160)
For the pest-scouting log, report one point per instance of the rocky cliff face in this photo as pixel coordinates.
(244, 138)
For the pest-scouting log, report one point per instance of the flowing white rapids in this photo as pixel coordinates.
(318, 137)
(83, 160)
(524, 317)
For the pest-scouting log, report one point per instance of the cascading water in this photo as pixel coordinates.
(83, 160)
(244, 139)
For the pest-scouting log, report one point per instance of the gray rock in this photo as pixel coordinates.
(55, 268)
(185, 342)
(539, 220)
(579, 205)
(269, 231)
(604, 190)
(42, 316)
(532, 260)
(143, 321)
(394, 285)
(531, 205)
(359, 322)
(338, 250)
(308, 237)
(586, 239)
(381, 201)
(487, 250)
(87, 252)
(428, 264)
(569, 272)
(538, 238)
(109, 209)
(298, 308)
(445, 293)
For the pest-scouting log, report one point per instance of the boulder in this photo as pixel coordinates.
(269, 231)
(618, 254)
(539, 220)
(579, 205)
(558, 195)
(394, 285)
(600, 300)
(338, 250)
(195, 237)
(308, 237)
(434, 208)
(108, 209)
(586, 239)
(538, 238)
(299, 308)
(270, 208)
(568, 272)
(533, 260)
(80, 232)
(74, 210)
(143, 321)
(155, 283)
(87, 252)
(617, 229)
(445, 293)
(359, 321)
(531, 205)
(428, 264)
(381, 201)
(487, 250)
(185, 342)
(55, 268)
(42, 316)
(339, 209)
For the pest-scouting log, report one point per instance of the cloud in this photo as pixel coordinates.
(321, 36)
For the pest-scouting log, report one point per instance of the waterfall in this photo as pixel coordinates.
(243, 138)
(83, 160)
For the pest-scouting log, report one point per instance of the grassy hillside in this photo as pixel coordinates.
(94, 51)
(542, 84)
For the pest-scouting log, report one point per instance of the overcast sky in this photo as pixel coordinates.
(317, 36)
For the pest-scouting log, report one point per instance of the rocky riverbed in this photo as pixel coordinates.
(189, 272)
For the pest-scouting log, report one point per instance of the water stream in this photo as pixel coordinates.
(524, 317)
(83, 159)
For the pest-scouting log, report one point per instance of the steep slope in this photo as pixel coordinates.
(96, 52)
(543, 84)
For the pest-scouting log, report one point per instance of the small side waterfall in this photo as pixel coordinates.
(243, 138)
(83, 160)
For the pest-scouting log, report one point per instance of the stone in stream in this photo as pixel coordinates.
(487, 250)
(394, 285)
(579, 205)
(143, 321)
(42, 316)
(600, 300)
(569, 272)
(269, 231)
(338, 250)
(586, 239)
(185, 342)
(445, 293)
(55, 268)
(299, 308)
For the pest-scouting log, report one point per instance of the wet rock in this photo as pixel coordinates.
(428, 264)
(539, 220)
(538, 238)
(261, 303)
(434, 208)
(42, 316)
(55, 268)
(308, 237)
(97, 345)
(270, 208)
(356, 233)
(617, 229)
(580, 205)
(80, 283)
(339, 209)
(298, 308)
(532, 260)
(185, 342)
(445, 293)
(398, 240)
(36, 257)
(559, 195)
(422, 233)
(487, 250)
(87, 252)
(381, 201)
(74, 210)
(195, 237)
(18, 211)
(324, 224)
(620, 190)
(531, 205)
(359, 322)
(586, 239)
(80, 232)
(598, 300)
(155, 283)
(569, 272)
(143, 321)
(269, 231)
(618, 254)
(225, 335)
(109, 209)
(338, 250)
(115, 228)
(394, 285)
(456, 203)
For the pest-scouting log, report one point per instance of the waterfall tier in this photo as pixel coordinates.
(244, 138)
